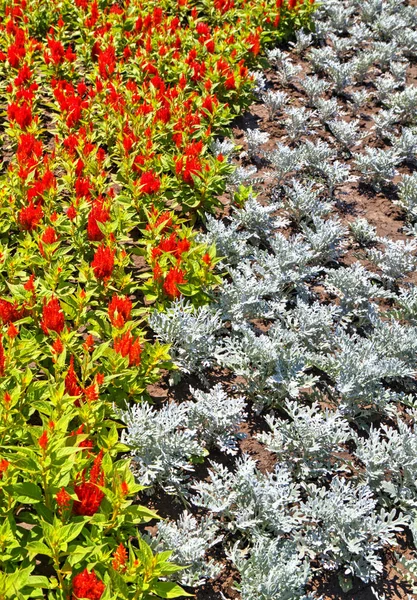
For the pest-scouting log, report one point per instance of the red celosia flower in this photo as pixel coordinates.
(29, 285)
(52, 316)
(98, 214)
(58, 346)
(119, 558)
(88, 493)
(103, 262)
(89, 343)
(2, 358)
(150, 183)
(30, 216)
(157, 273)
(127, 345)
(21, 114)
(124, 488)
(3, 466)
(87, 585)
(174, 277)
(43, 440)
(71, 212)
(119, 310)
(10, 312)
(12, 331)
(182, 246)
(63, 499)
(49, 236)
(206, 258)
(71, 381)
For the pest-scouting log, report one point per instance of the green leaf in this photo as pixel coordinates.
(167, 589)
(25, 492)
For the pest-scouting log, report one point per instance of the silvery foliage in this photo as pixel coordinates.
(362, 64)
(314, 88)
(385, 53)
(271, 570)
(360, 33)
(406, 39)
(399, 71)
(189, 541)
(358, 99)
(314, 324)
(341, 45)
(216, 418)
(341, 74)
(385, 87)
(396, 260)
(302, 41)
(257, 286)
(274, 101)
(363, 232)
(327, 109)
(386, 26)
(327, 239)
(406, 301)
(377, 166)
(390, 459)
(405, 104)
(302, 202)
(308, 441)
(384, 122)
(370, 10)
(260, 82)
(230, 242)
(241, 175)
(190, 331)
(338, 17)
(407, 196)
(249, 501)
(287, 72)
(161, 444)
(255, 138)
(276, 56)
(355, 289)
(344, 529)
(320, 58)
(163, 441)
(406, 145)
(284, 160)
(225, 147)
(299, 122)
(316, 154)
(273, 365)
(347, 133)
(361, 368)
(258, 220)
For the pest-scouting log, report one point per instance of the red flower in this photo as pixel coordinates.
(127, 345)
(63, 499)
(88, 493)
(2, 358)
(3, 466)
(182, 246)
(87, 585)
(12, 331)
(71, 381)
(175, 276)
(206, 258)
(149, 183)
(43, 440)
(119, 558)
(30, 216)
(57, 346)
(71, 212)
(98, 214)
(119, 310)
(49, 236)
(52, 317)
(29, 285)
(9, 312)
(103, 262)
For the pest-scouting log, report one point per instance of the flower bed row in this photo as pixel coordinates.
(108, 112)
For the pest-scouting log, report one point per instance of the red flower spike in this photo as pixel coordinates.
(71, 381)
(30, 217)
(87, 585)
(103, 262)
(12, 331)
(175, 276)
(43, 440)
(119, 558)
(52, 317)
(2, 358)
(3, 466)
(119, 310)
(63, 499)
